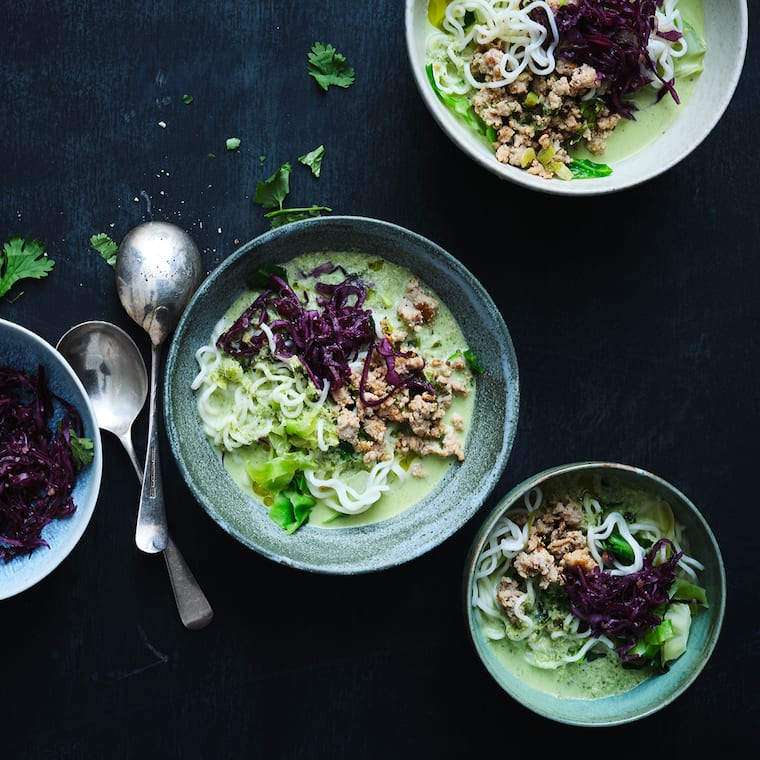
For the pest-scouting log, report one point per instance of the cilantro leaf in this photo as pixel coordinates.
(105, 246)
(270, 193)
(329, 67)
(81, 449)
(187, 99)
(232, 143)
(21, 259)
(313, 159)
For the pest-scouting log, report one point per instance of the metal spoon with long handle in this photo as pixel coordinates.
(158, 268)
(113, 373)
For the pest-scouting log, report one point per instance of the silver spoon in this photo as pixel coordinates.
(113, 373)
(158, 268)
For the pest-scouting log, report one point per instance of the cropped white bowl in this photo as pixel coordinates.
(20, 348)
(726, 36)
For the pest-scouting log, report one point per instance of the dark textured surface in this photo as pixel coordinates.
(635, 320)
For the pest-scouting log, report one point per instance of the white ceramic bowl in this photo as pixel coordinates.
(726, 37)
(655, 692)
(22, 349)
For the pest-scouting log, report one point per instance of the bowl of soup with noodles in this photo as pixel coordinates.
(594, 593)
(323, 394)
(575, 97)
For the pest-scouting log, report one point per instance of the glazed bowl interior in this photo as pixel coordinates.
(20, 348)
(465, 485)
(657, 691)
(726, 29)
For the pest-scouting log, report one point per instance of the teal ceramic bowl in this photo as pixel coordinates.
(465, 486)
(658, 690)
(20, 348)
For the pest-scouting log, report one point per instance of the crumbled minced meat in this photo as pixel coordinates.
(555, 541)
(419, 413)
(558, 118)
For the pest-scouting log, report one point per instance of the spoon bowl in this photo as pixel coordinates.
(113, 374)
(158, 268)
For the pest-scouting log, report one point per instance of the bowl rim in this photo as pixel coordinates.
(458, 133)
(416, 536)
(717, 607)
(39, 566)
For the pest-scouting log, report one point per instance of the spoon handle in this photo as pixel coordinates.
(152, 534)
(192, 604)
(194, 609)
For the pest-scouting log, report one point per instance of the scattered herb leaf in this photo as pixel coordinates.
(105, 246)
(232, 143)
(313, 159)
(271, 192)
(329, 67)
(22, 259)
(187, 99)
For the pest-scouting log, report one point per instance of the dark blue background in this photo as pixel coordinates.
(635, 319)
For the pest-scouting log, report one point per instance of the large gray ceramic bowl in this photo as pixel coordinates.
(657, 691)
(465, 486)
(725, 33)
(20, 348)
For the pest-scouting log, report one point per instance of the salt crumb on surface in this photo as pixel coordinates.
(162, 124)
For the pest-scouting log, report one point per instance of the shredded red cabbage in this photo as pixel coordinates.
(37, 466)
(623, 607)
(613, 36)
(325, 339)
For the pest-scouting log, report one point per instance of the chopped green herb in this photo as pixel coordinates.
(472, 360)
(271, 192)
(212, 155)
(329, 67)
(81, 449)
(187, 99)
(22, 259)
(232, 143)
(260, 278)
(105, 246)
(582, 168)
(313, 159)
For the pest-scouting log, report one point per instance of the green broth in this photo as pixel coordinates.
(386, 282)
(600, 673)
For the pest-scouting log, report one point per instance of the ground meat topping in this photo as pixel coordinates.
(555, 542)
(420, 412)
(537, 117)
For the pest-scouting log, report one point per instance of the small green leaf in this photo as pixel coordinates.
(582, 168)
(313, 159)
(329, 67)
(187, 99)
(82, 449)
(106, 247)
(22, 259)
(232, 143)
(271, 192)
